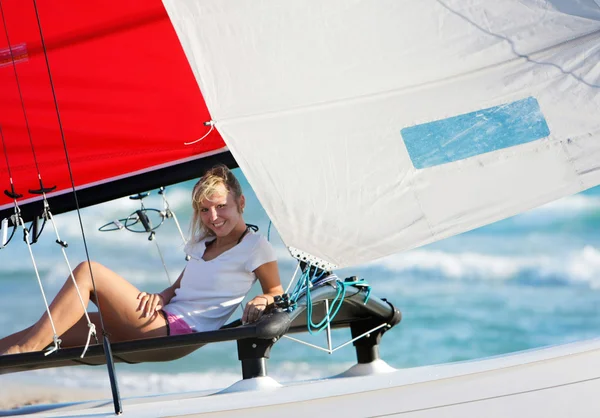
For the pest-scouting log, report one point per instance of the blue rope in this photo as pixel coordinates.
(307, 280)
(362, 283)
(337, 303)
(298, 288)
(367, 296)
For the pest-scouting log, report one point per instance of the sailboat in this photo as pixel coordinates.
(366, 128)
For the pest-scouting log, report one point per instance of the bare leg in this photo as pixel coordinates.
(77, 334)
(12, 339)
(118, 302)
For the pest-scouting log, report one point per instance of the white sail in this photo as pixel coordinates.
(370, 127)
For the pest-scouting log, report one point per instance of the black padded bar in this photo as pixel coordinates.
(123, 187)
(170, 348)
(127, 351)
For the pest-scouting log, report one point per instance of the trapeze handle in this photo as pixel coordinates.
(145, 221)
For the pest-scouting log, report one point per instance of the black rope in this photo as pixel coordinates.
(12, 187)
(42, 190)
(12, 194)
(109, 360)
(14, 65)
(4, 148)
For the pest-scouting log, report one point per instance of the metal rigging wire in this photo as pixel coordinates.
(109, 360)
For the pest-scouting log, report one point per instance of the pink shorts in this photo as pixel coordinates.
(176, 325)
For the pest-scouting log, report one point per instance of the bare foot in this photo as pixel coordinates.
(15, 349)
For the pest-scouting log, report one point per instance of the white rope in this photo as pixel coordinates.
(57, 342)
(91, 332)
(212, 126)
(169, 212)
(360, 336)
(91, 325)
(162, 259)
(329, 340)
(305, 343)
(293, 277)
(178, 227)
(332, 350)
(37, 274)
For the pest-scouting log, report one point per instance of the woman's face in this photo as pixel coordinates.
(220, 212)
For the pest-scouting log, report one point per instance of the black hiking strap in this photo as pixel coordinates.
(272, 325)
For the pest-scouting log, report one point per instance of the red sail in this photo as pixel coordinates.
(126, 100)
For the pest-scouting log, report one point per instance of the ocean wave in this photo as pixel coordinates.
(581, 266)
(571, 205)
(70, 229)
(577, 207)
(132, 383)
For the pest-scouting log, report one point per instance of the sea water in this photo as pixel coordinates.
(529, 281)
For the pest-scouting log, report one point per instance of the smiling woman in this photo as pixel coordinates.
(226, 258)
(217, 199)
(226, 250)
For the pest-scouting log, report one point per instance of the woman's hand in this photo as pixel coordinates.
(268, 276)
(255, 308)
(150, 303)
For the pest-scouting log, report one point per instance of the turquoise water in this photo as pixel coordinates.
(528, 281)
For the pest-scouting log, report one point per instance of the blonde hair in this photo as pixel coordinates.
(204, 189)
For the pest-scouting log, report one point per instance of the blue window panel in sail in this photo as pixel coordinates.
(470, 134)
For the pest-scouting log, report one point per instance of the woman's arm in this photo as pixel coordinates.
(169, 292)
(154, 302)
(268, 276)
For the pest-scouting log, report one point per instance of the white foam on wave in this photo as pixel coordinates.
(290, 371)
(570, 205)
(179, 198)
(145, 383)
(565, 208)
(576, 266)
(283, 256)
(94, 217)
(585, 266)
(130, 383)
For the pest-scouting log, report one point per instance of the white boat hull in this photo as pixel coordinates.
(557, 382)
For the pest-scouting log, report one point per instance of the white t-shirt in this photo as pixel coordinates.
(210, 291)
